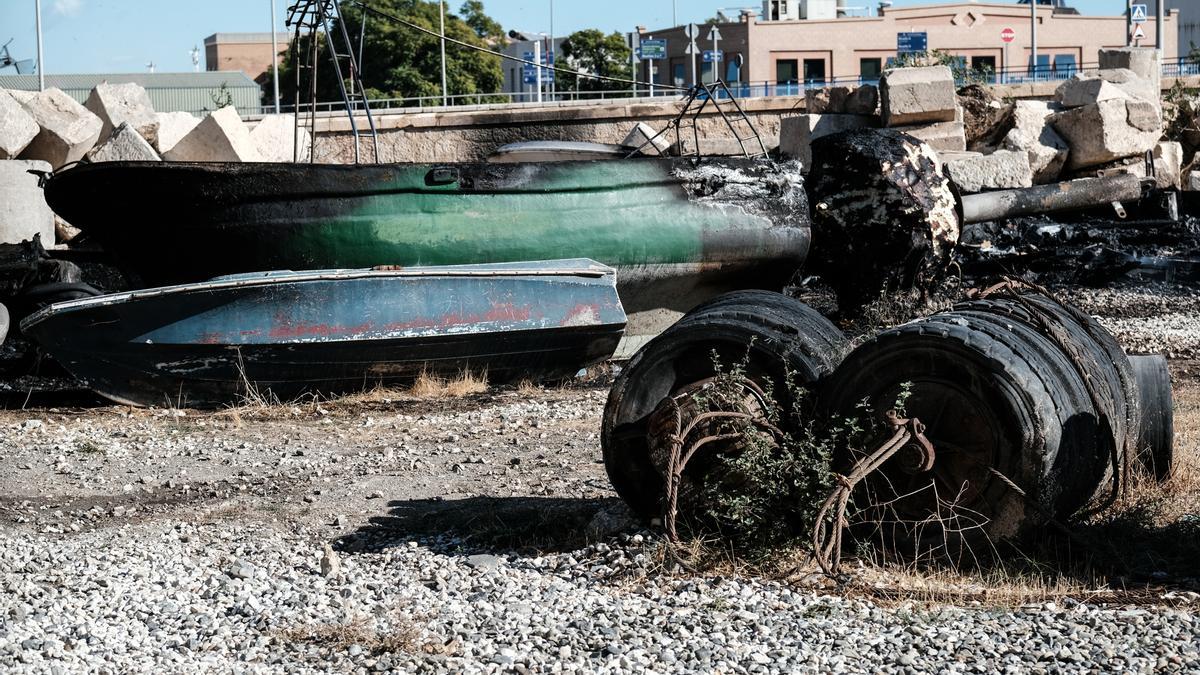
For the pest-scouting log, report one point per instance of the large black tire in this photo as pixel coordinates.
(779, 337)
(1156, 434)
(1000, 402)
(1102, 363)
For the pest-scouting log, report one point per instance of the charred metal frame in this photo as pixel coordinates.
(311, 17)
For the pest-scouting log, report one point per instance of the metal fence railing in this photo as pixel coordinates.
(1048, 72)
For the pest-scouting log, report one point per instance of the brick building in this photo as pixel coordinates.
(247, 52)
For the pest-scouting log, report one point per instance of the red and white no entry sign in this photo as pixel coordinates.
(1008, 35)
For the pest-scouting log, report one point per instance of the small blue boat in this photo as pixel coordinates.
(288, 334)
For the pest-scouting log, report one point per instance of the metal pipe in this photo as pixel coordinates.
(274, 57)
(1128, 23)
(1033, 37)
(37, 8)
(1158, 27)
(1072, 194)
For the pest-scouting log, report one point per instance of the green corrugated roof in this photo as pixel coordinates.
(168, 92)
(201, 80)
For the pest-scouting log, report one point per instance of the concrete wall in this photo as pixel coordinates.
(471, 135)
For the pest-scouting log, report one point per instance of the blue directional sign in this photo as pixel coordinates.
(654, 50)
(1138, 13)
(711, 56)
(909, 43)
(529, 72)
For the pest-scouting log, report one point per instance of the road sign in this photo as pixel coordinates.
(1008, 35)
(653, 49)
(714, 34)
(1138, 32)
(691, 30)
(691, 48)
(1138, 14)
(711, 56)
(908, 43)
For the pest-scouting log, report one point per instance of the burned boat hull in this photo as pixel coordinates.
(677, 230)
(287, 334)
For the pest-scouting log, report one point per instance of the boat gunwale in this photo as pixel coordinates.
(590, 270)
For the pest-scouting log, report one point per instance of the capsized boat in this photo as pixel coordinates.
(291, 333)
(677, 230)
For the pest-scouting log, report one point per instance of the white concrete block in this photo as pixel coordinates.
(1003, 169)
(23, 208)
(220, 137)
(124, 145)
(172, 127)
(941, 136)
(117, 104)
(641, 133)
(17, 126)
(911, 96)
(1033, 133)
(1108, 130)
(275, 138)
(68, 130)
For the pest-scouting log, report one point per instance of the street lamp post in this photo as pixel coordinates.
(41, 62)
(442, 34)
(274, 57)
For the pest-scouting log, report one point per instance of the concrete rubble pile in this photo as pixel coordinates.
(918, 101)
(127, 103)
(67, 129)
(17, 127)
(220, 137)
(276, 137)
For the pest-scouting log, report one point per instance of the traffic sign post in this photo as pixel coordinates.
(1139, 34)
(654, 50)
(692, 31)
(715, 36)
(1006, 36)
(1138, 14)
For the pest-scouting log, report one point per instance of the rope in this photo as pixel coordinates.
(831, 517)
(619, 80)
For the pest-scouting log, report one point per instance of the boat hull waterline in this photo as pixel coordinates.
(287, 334)
(677, 230)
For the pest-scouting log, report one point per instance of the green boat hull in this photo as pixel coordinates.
(676, 230)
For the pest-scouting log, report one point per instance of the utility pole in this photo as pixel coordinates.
(633, 50)
(442, 34)
(274, 56)
(674, 13)
(551, 52)
(1128, 23)
(37, 8)
(537, 58)
(1033, 37)
(1158, 27)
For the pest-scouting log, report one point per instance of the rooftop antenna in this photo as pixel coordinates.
(151, 66)
(24, 66)
(195, 59)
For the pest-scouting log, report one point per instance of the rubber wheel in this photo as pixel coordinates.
(1100, 354)
(995, 396)
(1156, 434)
(777, 336)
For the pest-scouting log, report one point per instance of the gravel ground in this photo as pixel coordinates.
(474, 535)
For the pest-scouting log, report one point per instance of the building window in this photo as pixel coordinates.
(814, 71)
(1064, 64)
(984, 63)
(733, 68)
(787, 71)
(677, 73)
(1043, 64)
(870, 69)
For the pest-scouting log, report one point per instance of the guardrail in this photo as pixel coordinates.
(1049, 73)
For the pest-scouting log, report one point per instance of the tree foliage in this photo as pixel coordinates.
(484, 26)
(399, 61)
(591, 51)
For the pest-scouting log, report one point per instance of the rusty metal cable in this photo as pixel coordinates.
(831, 517)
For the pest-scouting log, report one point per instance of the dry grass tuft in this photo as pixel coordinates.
(528, 388)
(466, 383)
(401, 635)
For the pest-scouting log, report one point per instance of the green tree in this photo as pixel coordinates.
(591, 51)
(484, 26)
(399, 61)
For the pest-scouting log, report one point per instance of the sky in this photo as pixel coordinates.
(106, 36)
